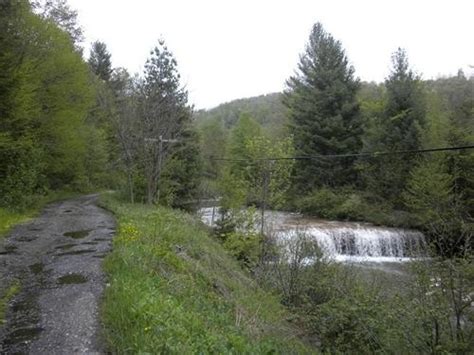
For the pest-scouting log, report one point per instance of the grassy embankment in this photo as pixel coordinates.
(174, 289)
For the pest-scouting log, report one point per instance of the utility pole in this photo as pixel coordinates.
(160, 155)
(160, 141)
(160, 159)
(267, 172)
(264, 200)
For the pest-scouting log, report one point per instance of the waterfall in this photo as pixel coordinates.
(342, 241)
(358, 243)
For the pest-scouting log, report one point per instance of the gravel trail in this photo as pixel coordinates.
(57, 259)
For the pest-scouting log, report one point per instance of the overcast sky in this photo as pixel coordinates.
(232, 49)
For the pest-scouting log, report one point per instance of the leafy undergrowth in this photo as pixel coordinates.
(173, 289)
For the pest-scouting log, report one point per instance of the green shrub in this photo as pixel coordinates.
(425, 307)
(22, 176)
(322, 202)
(237, 230)
(350, 324)
(348, 204)
(335, 204)
(245, 247)
(352, 207)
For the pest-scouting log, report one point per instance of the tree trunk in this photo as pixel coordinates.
(130, 186)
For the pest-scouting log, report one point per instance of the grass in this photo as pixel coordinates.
(9, 219)
(11, 291)
(174, 289)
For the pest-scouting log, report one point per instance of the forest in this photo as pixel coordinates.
(399, 153)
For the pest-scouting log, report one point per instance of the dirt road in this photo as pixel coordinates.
(57, 260)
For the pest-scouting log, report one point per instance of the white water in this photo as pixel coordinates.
(341, 241)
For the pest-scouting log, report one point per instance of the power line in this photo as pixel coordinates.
(352, 155)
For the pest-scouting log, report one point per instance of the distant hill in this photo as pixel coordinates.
(267, 110)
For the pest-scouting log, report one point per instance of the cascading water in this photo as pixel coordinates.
(342, 241)
(357, 243)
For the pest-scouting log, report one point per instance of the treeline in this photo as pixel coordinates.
(340, 124)
(268, 110)
(71, 124)
(47, 137)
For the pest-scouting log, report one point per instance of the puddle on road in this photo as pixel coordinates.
(72, 279)
(26, 238)
(65, 246)
(37, 268)
(78, 234)
(35, 228)
(23, 318)
(8, 250)
(78, 252)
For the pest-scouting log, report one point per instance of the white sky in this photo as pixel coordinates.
(230, 49)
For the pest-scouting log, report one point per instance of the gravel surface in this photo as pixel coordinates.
(57, 259)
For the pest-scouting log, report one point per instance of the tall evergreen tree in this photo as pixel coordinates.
(179, 185)
(458, 100)
(400, 128)
(324, 113)
(99, 61)
(164, 114)
(404, 113)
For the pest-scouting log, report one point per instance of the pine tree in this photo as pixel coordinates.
(459, 101)
(179, 186)
(164, 114)
(99, 61)
(324, 113)
(400, 128)
(404, 113)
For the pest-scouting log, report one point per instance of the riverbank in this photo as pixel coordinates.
(174, 289)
